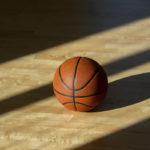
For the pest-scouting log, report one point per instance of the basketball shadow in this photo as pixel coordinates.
(126, 91)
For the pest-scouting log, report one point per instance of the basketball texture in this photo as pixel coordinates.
(80, 84)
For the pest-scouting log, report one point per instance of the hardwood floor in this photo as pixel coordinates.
(36, 37)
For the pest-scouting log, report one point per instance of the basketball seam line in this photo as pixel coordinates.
(74, 83)
(77, 103)
(63, 80)
(83, 85)
(88, 80)
(80, 96)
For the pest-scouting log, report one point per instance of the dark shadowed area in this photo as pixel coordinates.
(126, 91)
(26, 98)
(135, 137)
(30, 26)
(128, 62)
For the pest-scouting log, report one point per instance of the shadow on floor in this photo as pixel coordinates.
(126, 91)
(134, 137)
(26, 98)
(127, 62)
(30, 26)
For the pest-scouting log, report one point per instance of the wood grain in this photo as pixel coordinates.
(32, 47)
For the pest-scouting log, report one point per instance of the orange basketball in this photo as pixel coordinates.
(80, 84)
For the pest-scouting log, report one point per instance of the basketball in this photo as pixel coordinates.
(80, 84)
